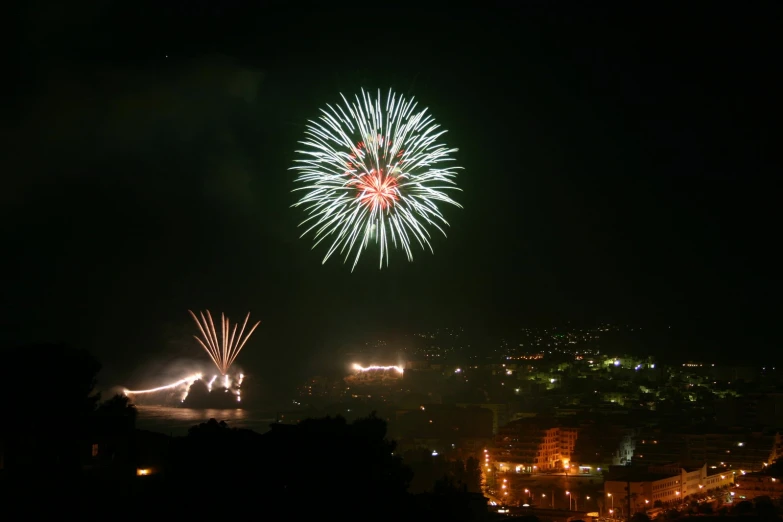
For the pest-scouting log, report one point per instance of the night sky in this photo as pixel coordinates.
(618, 167)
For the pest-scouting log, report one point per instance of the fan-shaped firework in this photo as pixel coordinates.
(222, 351)
(374, 170)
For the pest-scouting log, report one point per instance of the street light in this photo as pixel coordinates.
(568, 493)
(611, 497)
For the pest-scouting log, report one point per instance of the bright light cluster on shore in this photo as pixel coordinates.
(360, 368)
(187, 382)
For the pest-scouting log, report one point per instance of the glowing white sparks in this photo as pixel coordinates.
(223, 352)
(360, 368)
(374, 171)
(187, 380)
(229, 385)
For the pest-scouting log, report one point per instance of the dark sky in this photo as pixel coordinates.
(618, 166)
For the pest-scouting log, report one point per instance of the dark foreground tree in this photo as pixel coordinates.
(45, 400)
(640, 516)
(326, 467)
(119, 412)
(473, 475)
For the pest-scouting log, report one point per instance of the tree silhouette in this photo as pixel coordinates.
(640, 517)
(211, 428)
(743, 508)
(56, 401)
(119, 411)
(765, 508)
(473, 475)
(347, 470)
(447, 502)
(112, 428)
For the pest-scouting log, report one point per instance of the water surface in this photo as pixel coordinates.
(176, 421)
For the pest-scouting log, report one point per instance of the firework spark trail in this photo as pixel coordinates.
(187, 380)
(372, 173)
(224, 351)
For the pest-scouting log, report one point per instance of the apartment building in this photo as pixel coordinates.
(529, 445)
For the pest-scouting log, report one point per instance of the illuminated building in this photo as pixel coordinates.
(633, 489)
(526, 445)
(777, 448)
(754, 485)
(601, 445)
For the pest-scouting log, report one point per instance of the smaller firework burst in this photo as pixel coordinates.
(222, 351)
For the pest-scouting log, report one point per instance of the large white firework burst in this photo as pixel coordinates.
(374, 172)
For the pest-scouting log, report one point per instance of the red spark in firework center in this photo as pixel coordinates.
(376, 190)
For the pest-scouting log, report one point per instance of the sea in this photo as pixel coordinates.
(177, 421)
